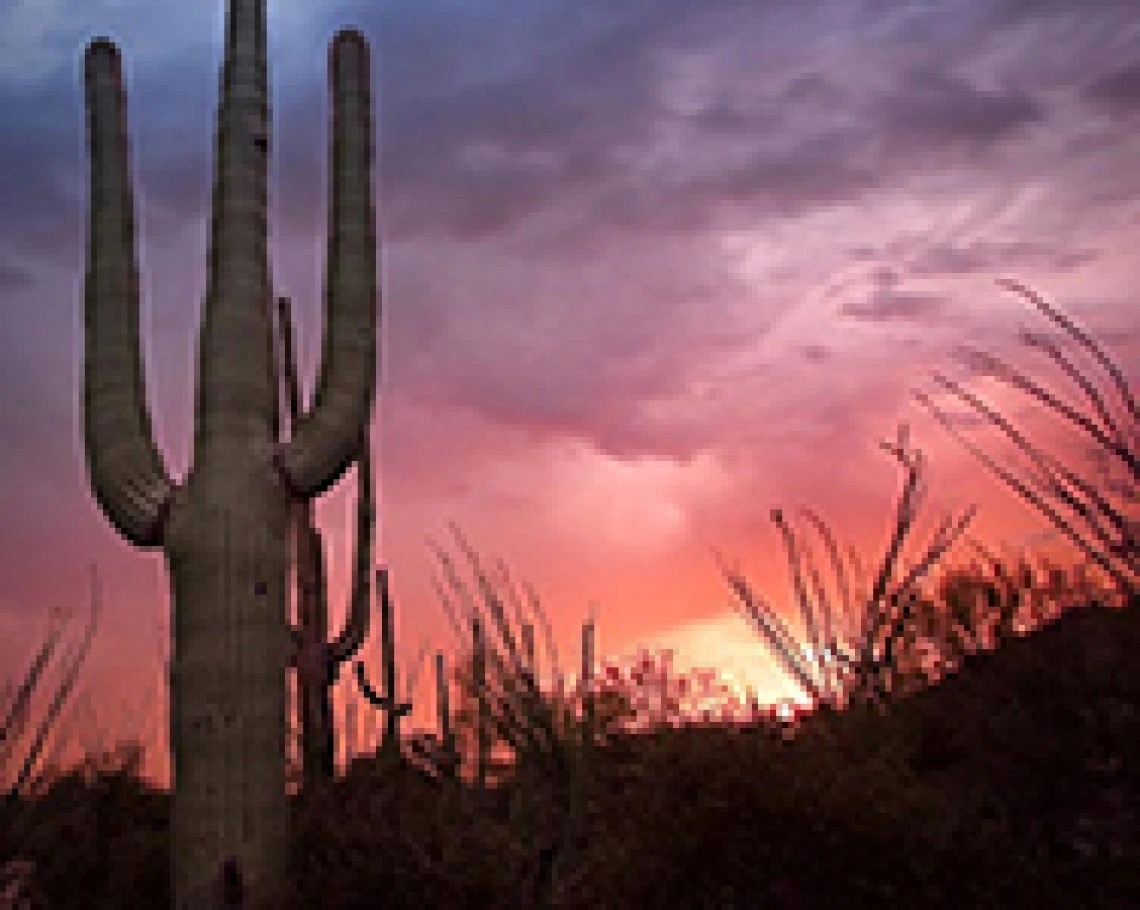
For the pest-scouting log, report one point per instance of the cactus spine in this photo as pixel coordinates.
(224, 530)
(317, 659)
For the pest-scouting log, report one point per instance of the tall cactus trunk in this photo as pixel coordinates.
(225, 530)
(316, 657)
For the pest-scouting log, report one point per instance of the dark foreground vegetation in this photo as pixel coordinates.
(1012, 783)
(974, 741)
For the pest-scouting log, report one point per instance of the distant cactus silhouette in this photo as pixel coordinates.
(225, 529)
(388, 702)
(316, 657)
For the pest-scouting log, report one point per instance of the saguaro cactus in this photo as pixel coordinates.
(316, 657)
(225, 529)
(388, 702)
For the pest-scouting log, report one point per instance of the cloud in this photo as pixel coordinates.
(572, 353)
(14, 277)
(572, 123)
(602, 127)
(29, 42)
(555, 187)
(980, 256)
(939, 114)
(39, 183)
(42, 40)
(891, 306)
(1118, 92)
(885, 302)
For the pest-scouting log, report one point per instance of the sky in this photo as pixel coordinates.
(649, 269)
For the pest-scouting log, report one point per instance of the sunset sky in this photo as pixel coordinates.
(650, 268)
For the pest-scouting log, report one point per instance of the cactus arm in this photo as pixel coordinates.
(289, 361)
(356, 626)
(326, 440)
(384, 702)
(387, 702)
(127, 476)
(300, 522)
